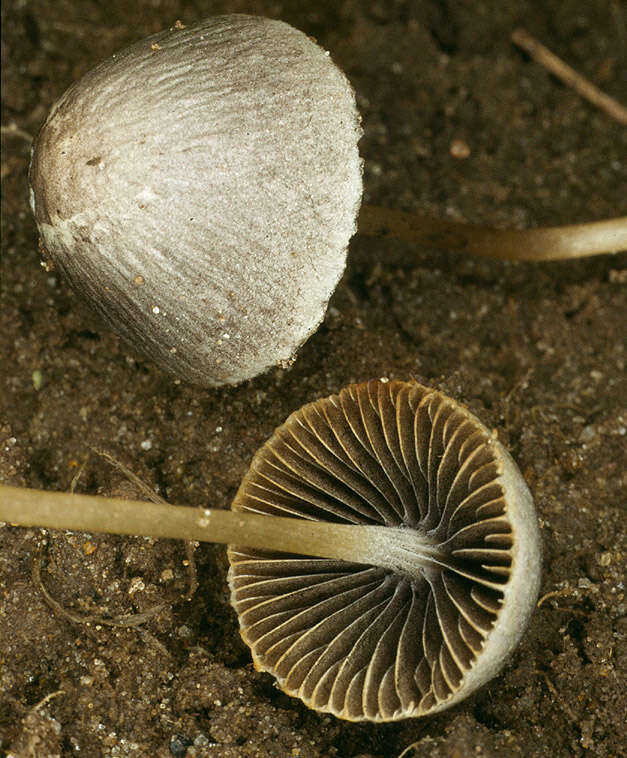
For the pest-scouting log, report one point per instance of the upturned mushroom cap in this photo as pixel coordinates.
(443, 592)
(199, 190)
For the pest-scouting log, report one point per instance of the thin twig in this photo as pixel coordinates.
(13, 130)
(78, 475)
(190, 560)
(192, 572)
(560, 700)
(618, 17)
(569, 76)
(130, 620)
(567, 592)
(38, 706)
(131, 476)
(152, 640)
(520, 384)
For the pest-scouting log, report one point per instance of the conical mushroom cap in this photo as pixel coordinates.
(199, 190)
(429, 618)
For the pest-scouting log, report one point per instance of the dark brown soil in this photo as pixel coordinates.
(536, 350)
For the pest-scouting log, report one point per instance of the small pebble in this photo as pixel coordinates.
(459, 149)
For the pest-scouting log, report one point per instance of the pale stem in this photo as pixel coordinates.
(90, 513)
(543, 244)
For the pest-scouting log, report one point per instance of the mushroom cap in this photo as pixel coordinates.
(449, 597)
(199, 190)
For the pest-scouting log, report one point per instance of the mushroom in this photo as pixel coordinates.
(384, 550)
(200, 188)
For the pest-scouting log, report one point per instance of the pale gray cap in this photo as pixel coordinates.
(199, 190)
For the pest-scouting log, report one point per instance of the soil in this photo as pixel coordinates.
(460, 123)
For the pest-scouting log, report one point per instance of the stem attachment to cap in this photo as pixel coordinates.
(91, 513)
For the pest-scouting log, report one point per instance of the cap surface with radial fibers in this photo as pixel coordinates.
(199, 190)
